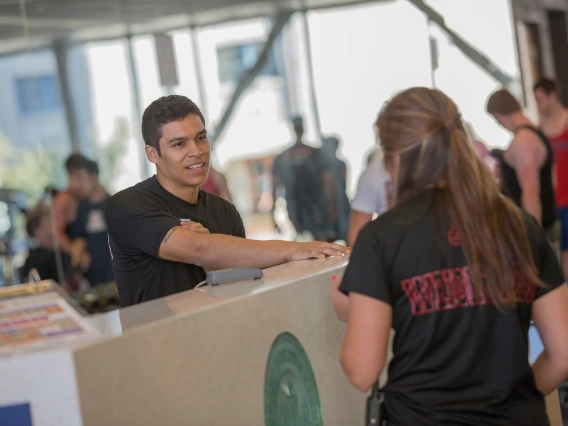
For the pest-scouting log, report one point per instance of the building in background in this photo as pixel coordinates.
(357, 57)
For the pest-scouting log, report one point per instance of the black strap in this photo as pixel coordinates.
(375, 409)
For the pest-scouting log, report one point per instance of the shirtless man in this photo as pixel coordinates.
(66, 203)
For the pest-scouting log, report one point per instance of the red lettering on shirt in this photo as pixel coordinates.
(452, 288)
(454, 236)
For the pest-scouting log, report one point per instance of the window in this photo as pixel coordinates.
(38, 95)
(236, 60)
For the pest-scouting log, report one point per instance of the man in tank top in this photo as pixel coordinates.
(526, 169)
(554, 124)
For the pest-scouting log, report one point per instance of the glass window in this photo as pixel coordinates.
(463, 80)
(235, 60)
(38, 95)
(351, 90)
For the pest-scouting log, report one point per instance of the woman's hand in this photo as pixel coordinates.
(340, 303)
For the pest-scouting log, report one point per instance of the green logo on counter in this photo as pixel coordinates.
(290, 391)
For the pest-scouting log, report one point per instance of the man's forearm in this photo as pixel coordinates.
(531, 204)
(356, 222)
(217, 251)
(65, 243)
(222, 251)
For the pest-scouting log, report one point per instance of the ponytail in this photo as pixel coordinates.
(492, 232)
(423, 128)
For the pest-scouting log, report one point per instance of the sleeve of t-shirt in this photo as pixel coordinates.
(366, 272)
(238, 226)
(137, 222)
(549, 268)
(370, 196)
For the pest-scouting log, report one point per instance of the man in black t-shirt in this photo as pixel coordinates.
(458, 360)
(300, 171)
(152, 254)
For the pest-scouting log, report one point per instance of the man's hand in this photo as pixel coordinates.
(315, 250)
(194, 226)
(340, 303)
(79, 254)
(85, 262)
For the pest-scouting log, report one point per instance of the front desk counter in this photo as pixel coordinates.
(252, 353)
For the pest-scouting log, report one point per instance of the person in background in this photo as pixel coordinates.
(497, 154)
(90, 230)
(338, 213)
(527, 166)
(554, 124)
(64, 213)
(458, 271)
(299, 171)
(216, 184)
(165, 232)
(376, 151)
(42, 256)
(66, 203)
(372, 197)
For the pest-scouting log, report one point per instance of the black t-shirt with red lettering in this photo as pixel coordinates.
(458, 360)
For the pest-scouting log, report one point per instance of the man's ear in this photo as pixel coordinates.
(152, 154)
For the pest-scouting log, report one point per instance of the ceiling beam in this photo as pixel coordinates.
(467, 48)
(46, 23)
(245, 81)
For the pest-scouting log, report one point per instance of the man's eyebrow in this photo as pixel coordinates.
(176, 139)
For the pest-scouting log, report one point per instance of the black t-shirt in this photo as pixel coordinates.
(90, 224)
(139, 218)
(45, 262)
(458, 360)
(299, 170)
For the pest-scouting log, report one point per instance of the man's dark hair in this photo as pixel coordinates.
(547, 86)
(503, 102)
(298, 124)
(77, 162)
(92, 167)
(163, 111)
(332, 142)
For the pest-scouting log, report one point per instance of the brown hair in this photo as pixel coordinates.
(547, 86)
(424, 128)
(503, 102)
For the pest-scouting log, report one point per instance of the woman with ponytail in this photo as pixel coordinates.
(458, 271)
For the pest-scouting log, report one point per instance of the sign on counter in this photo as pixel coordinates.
(31, 322)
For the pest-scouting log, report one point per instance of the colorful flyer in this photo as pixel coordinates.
(32, 322)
